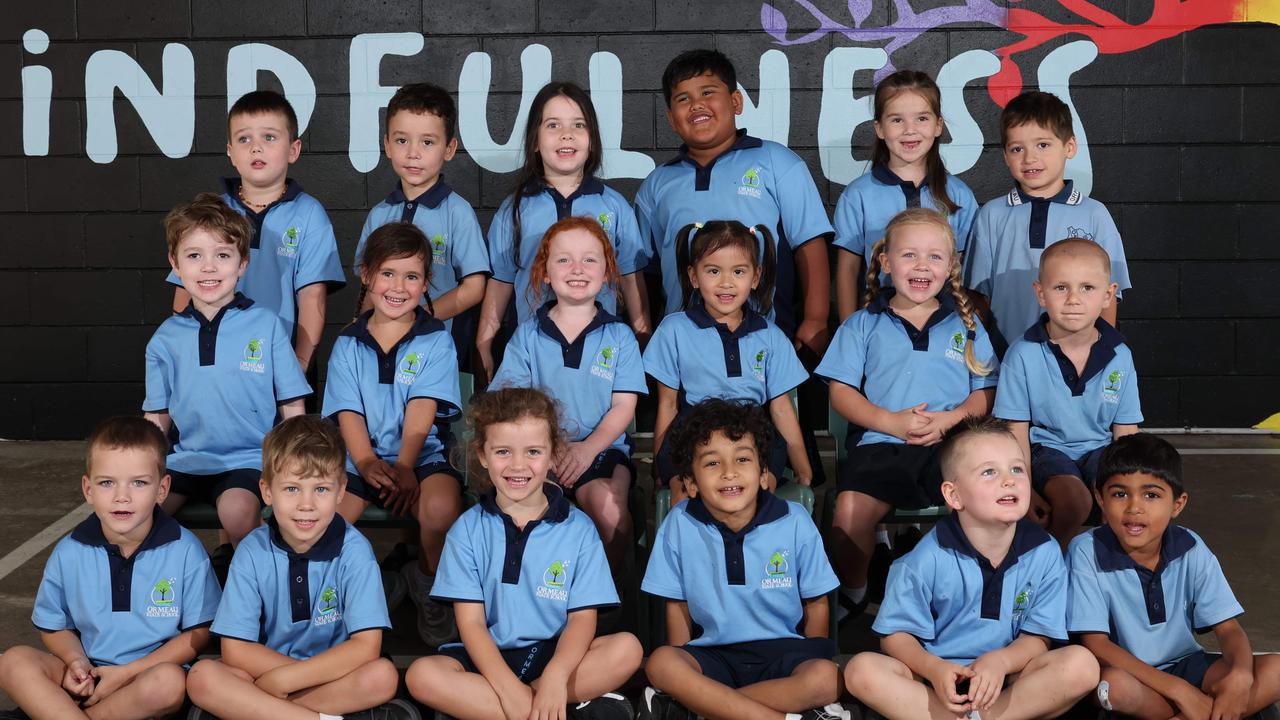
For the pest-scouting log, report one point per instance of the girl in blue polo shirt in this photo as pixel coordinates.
(590, 361)
(393, 376)
(906, 172)
(908, 366)
(562, 153)
(723, 346)
(526, 572)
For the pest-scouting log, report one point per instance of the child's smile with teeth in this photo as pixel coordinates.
(208, 267)
(728, 476)
(397, 286)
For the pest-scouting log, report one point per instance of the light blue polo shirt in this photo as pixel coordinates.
(378, 385)
(1008, 236)
(1154, 616)
(745, 586)
(947, 594)
(868, 204)
(896, 365)
(220, 381)
(582, 375)
(453, 234)
(1069, 412)
(701, 358)
(756, 182)
(125, 608)
(540, 208)
(292, 246)
(528, 580)
(302, 605)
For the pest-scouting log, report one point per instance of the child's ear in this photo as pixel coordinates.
(1040, 293)
(1071, 147)
(951, 495)
(173, 262)
(1179, 503)
(450, 149)
(84, 486)
(755, 278)
(690, 487)
(736, 98)
(163, 492)
(1110, 297)
(295, 149)
(693, 276)
(264, 489)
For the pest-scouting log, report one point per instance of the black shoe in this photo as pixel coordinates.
(878, 570)
(394, 710)
(834, 711)
(847, 609)
(196, 713)
(609, 706)
(655, 705)
(904, 541)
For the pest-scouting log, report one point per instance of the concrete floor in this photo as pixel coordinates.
(1234, 483)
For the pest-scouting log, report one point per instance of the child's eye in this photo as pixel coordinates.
(935, 256)
(291, 489)
(534, 452)
(322, 490)
(580, 125)
(711, 463)
(1118, 494)
(106, 483)
(988, 471)
(412, 277)
(1151, 495)
(1017, 470)
(1043, 145)
(399, 141)
(502, 453)
(269, 137)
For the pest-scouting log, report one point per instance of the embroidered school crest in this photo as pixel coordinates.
(603, 365)
(1075, 232)
(777, 571)
(252, 358)
(327, 607)
(553, 582)
(289, 241)
(749, 185)
(410, 366)
(757, 364)
(1111, 386)
(437, 249)
(606, 220)
(1022, 602)
(955, 349)
(164, 594)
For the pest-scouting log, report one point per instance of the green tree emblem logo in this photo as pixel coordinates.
(1113, 381)
(1022, 600)
(291, 237)
(253, 350)
(606, 357)
(412, 363)
(751, 178)
(759, 363)
(957, 342)
(603, 218)
(554, 576)
(164, 589)
(777, 564)
(437, 244)
(328, 601)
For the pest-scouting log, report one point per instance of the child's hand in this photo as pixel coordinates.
(906, 421)
(944, 678)
(273, 682)
(516, 700)
(486, 363)
(572, 462)
(987, 681)
(935, 426)
(1231, 695)
(404, 493)
(78, 679)
(110, 678)
(1191, 703)
(549, 701)
(377, 473)
(813, 336)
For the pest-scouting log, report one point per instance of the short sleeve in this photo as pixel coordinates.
(846, 357)
(962, 218)
(365, 605)
(816, 576)
(239, 614)
(370, 224)
(1087, 607)
(502, 260)
(1129, 410)
(804, 217)
(1213, 601)
(469, 253)
(978, 260)
(986, 355)
(200, 587)
(1013, 398)
(592, 584)
(516, 370)
(51, 612)
(906, 607)
(849, 221)
(318, 257)
(341, 388)
(661, 358)
(1047, 614)
(290, 383)
(784, 369)
(438, 380)
(1109, 238)
(628, 374)
(159, 387)
(458, 575)
(663, 576)
(632, 251)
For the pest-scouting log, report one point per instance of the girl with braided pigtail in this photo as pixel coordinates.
(907, 367)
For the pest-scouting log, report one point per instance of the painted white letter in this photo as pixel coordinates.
(966, 137)
(368, 96)
(771, 119)
(169, 116)
(842, 112)
(37, 94)
(606, 95)
(244, 62)
(473, 104)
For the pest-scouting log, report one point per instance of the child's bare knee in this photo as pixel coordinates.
(1079, 668)
(162, 688)
(201, 679)
(427, 678)
(1123, 689)
(377, 681)
(625, 650)
(663, 664)
(821, 681)
(15, 660)
(863, 673)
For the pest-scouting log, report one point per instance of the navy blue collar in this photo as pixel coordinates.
(590, 185)
(910, 191)
(423, 324)
(919, 337)
(231, 185)
(742, 142)
(326, 548)
(752, 321)
(768, 509)
(432, 198)
(557, 504)
(1027, 536)
(572, 351)
(164, 530)
(1101, 353)
(238, 302)
(1068, 195)
(1174, 543)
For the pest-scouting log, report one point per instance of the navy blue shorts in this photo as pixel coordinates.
(904, 476)
(526, 662)
(207, 488)
(742, 664)
(1193, 667)
(363, 490)
(1047, 462)
(603, 467)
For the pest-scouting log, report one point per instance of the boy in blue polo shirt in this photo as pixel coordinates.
(421, 137)
(969, 613)
(125, 600)
(746, 570)
(1142, 587)
(1068, 386)
(1010, 232)
(220, 370)
(303, 612)
(292, 247)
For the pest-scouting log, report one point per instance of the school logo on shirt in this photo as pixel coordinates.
(776, 571)
(955, 351)
(252, 361)
(327, 612)
(1022, 603)
(1111, 386)
(750, 183)
(289, 242)
(409, 368)
(605, 219)
(163, 597)
(757, 364)
(1075, 232)
(602, 366)
(437, 249)
(553, 580)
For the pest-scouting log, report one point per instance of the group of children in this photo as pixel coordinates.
(961, 313)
